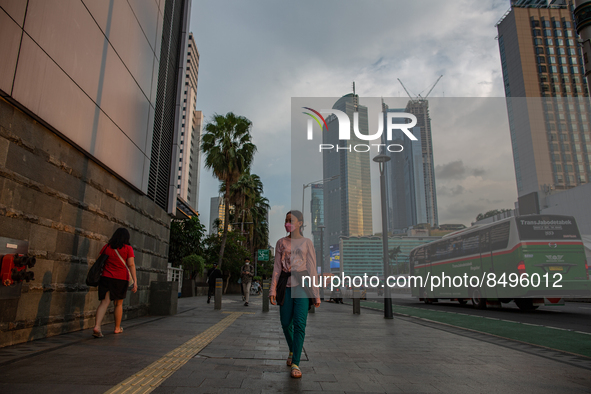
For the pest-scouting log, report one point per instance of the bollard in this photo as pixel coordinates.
(218, 293)
(266, 284)
(356, 301)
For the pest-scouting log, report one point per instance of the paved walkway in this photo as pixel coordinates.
(241, 349)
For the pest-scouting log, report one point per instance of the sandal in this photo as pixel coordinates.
(295, 371)
(289, 359)
(120, 331)
(97, 334)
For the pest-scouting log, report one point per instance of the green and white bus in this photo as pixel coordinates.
(533, 260)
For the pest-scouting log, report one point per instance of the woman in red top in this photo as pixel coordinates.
(115, 279)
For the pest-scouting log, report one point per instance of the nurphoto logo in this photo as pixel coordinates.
(345, 129)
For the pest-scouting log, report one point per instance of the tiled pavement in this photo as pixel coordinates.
(343, 353)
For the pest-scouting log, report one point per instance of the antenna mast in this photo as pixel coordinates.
(355, 98)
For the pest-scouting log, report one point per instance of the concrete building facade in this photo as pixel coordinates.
(548, 104)
(88, 91)
(364, 255)
(190, 131)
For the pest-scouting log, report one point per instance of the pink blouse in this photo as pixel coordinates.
(294, 255)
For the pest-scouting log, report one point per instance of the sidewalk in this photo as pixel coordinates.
(240, 352)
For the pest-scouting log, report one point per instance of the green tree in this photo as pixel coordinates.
(193, 263)
(229, 153)
(185, 239)
(243, 193)
(250, 207)
(490, 213)
(233, 257)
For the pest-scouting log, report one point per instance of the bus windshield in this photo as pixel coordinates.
(544, 227)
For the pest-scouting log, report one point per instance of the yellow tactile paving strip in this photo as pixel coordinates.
(154, 374)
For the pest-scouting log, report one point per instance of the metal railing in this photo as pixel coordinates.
(175, 275)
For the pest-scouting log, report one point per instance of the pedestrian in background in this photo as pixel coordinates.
(114, 281)
(212, 275)
(246, 275)
(294, 257)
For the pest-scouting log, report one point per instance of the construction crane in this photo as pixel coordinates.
(419, 97)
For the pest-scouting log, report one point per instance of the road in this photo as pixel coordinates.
(575, 316)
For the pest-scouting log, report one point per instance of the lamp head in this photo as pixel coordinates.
(381, 158)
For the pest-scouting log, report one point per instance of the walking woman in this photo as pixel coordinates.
(115, 279)
(294, 257)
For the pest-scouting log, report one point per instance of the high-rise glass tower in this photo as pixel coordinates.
(347, 199)
(317, 210)
(405, 178)
(420, 108)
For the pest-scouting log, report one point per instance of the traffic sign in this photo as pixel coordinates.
(263, 255)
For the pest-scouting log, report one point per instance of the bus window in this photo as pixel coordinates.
(543, 227)
(484, 241)
(418, 256)
(470, 244)
(499, 236)
(455, 247)
(431, 253)
(443, 250)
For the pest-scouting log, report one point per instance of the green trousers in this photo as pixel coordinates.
(294, 314)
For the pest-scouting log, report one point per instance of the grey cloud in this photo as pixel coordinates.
(453, 170)
(255, 56)
(450, 191)
(456, 170)
(465, 211)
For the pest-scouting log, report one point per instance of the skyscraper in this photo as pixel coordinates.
(548, 107)
(405, 178)
(347, 199)
(190, 133)
(420, 108)
(317, 210)
(217, 211)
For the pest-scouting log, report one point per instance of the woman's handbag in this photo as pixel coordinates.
(94, 273)
(131, 282)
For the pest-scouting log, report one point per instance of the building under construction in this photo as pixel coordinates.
(420, 108)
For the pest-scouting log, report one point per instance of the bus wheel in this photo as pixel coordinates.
(477, 300)
(423, 295)
(462, 301)
(525, 304)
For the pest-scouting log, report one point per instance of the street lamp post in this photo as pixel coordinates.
(332, 178)
(381, 159)
(321, 228)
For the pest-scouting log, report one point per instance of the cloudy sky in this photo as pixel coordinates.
(256, 55)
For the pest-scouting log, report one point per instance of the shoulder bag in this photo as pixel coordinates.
(94, 273)
(123, 261)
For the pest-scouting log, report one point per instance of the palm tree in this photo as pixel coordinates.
(243, 193)
(246, 195)
(259, 237)
(229, 153)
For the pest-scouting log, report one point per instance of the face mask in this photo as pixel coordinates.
(289, 227)
(247, 263)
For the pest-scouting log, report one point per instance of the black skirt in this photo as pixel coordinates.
(117, 288)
